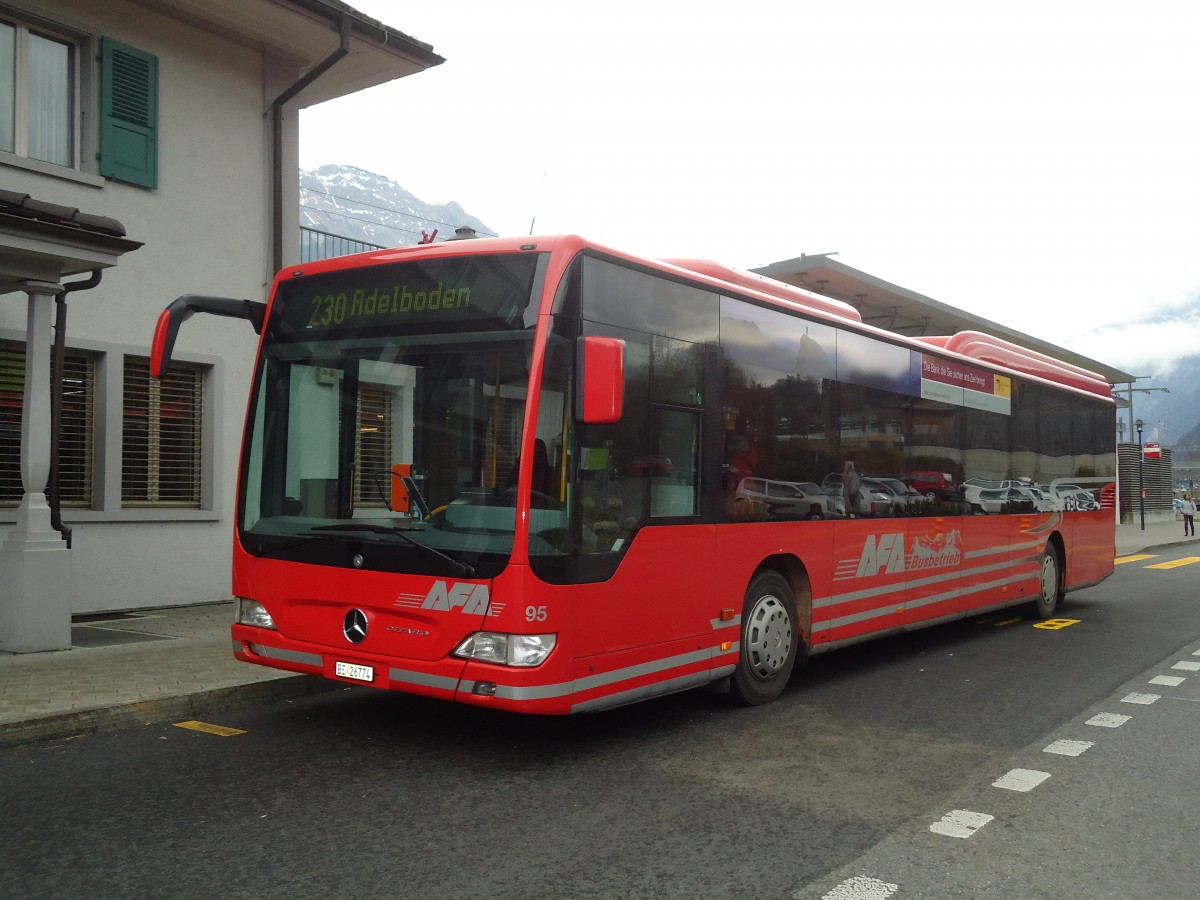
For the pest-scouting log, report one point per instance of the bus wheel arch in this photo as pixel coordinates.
(776, 614)
(793, 571)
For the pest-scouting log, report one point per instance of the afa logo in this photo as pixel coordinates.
(882, 554)
(473, 598)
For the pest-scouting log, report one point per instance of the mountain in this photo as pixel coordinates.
(1171, 417)
(362, 206)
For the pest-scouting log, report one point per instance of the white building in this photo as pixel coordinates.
(176, 122)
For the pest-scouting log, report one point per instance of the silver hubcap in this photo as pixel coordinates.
(1049, 579)
(768, 636)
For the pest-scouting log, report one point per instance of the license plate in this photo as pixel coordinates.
(355, 671)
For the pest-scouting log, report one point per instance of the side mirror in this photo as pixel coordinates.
(600, 386)
(181, 310)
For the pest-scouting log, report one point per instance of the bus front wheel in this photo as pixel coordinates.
(769, 641)
(1050, 585)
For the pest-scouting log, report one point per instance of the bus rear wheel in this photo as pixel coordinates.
(1050, 585)
(769, 641)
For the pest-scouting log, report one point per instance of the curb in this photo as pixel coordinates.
(160, 710)
(1149, 547)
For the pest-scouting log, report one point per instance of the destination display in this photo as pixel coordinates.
(332, 309)
(402, 295)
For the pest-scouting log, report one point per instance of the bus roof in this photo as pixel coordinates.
(775, 288)
(971, 345)
(994, 350)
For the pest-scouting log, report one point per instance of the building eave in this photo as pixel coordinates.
(42, 241)
(302, 32)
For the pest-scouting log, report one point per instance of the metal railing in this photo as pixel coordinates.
(315, 244)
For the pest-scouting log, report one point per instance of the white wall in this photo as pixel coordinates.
(206, 230)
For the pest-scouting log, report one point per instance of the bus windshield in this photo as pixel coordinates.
(385, 423)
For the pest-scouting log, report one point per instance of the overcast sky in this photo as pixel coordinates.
(1032, 162)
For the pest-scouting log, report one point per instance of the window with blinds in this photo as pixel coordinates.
(373, 448)
(161, 440)
(75, 440)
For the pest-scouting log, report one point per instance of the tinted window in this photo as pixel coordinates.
(616, 295)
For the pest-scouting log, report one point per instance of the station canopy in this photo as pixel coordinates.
(898, 309)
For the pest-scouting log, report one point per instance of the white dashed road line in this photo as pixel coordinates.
(1069, 748)
(861, 887)
(960, 823)
(964, 823)
(1108, 720)
(1168, 680)
(1023, 780)
(1141, 699)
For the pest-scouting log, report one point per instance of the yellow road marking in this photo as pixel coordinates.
(1009, 622)
(1176, 563)
(221, 730)
(1057, 624)
(1136, 557)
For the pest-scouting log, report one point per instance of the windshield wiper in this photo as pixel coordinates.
(462, 567)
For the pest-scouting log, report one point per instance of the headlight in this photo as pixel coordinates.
(251, 612)
(525, 650)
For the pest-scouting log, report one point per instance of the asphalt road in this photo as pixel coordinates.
(830, 792)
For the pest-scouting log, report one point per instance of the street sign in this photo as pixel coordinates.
(1152, 451)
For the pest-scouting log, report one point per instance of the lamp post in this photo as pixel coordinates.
(1141, 475)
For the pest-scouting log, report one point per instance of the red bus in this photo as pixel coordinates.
(505, 472)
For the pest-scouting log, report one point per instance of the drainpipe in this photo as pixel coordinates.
(277, 140)
(57, 363)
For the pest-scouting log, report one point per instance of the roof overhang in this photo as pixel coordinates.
(302, 32)
(898, 309)
(45, 242)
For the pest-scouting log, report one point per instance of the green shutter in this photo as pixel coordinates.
(128, 114)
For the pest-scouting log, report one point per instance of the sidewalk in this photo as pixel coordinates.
(173, 664)
(140, 668)
(1132, 539)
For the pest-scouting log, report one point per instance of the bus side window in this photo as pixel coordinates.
(674, 491)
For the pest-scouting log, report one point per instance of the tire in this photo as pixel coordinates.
(815, 513)
(1050, 585)
(769, 641)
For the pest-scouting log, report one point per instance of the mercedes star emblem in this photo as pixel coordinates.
(354, 626)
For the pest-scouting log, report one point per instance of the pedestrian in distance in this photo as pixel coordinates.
(1188, 508)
